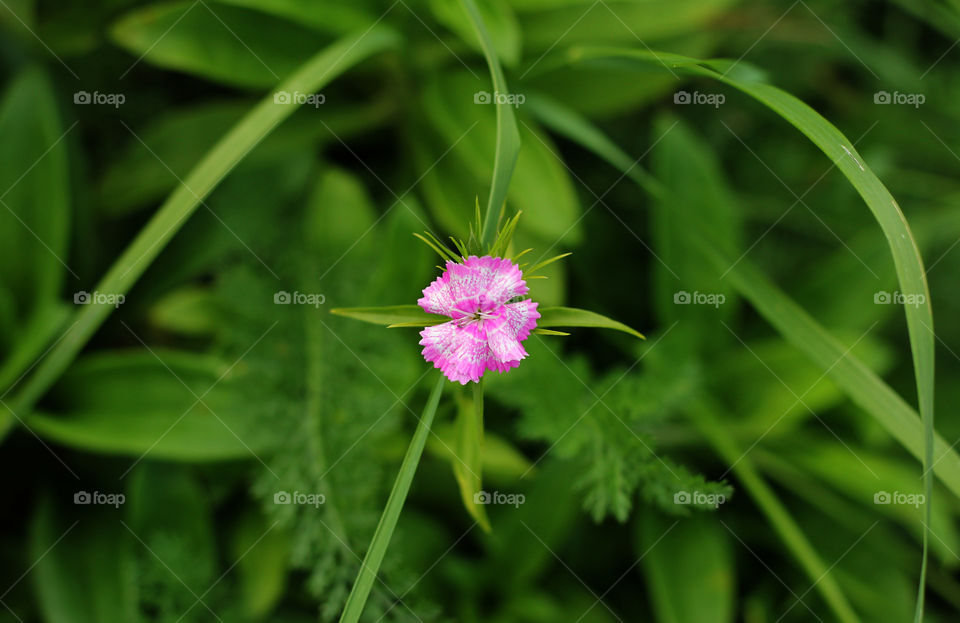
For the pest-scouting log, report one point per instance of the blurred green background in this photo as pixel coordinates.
(201, 440)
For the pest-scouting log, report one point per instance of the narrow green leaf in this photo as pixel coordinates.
(438, 247)
(573, 317)
(391, 512)
(540, 265)
(508, 137)
(391, 315)
(540, 331)
(468, 448)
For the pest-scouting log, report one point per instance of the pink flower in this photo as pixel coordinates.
(486, 331)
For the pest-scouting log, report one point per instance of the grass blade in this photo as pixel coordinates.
(508, 137)
(204, 177)
(391, 512)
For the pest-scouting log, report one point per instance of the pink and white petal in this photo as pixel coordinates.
(502, 337)
(480, 283)
(501, 366)
(460, 352)
(438, 297)
(521, 318)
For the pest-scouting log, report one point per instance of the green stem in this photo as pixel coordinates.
(391, 512)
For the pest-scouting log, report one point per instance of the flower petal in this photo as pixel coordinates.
(480, 283)
(460, 352)
(511, 325)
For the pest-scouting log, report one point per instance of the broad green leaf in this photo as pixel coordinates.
(329, 16)
(188, 311)
(700, 194)
(573, 317)
(340, 211)
(541, 187)
(84, 562)
(546, 22)
(221, 159)
(262, 552)
(508, 139)
(35, 212)
(231, 45)
(141, 403)
(501, 460)
(688, 565)
(412, 315)
(391, 512)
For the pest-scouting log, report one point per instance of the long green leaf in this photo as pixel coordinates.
(391, 512)
(407, 315)
(225, 155)
(573, 317)
(468, 446)
(508, 138)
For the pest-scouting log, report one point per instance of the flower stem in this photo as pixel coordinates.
(391, 512)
